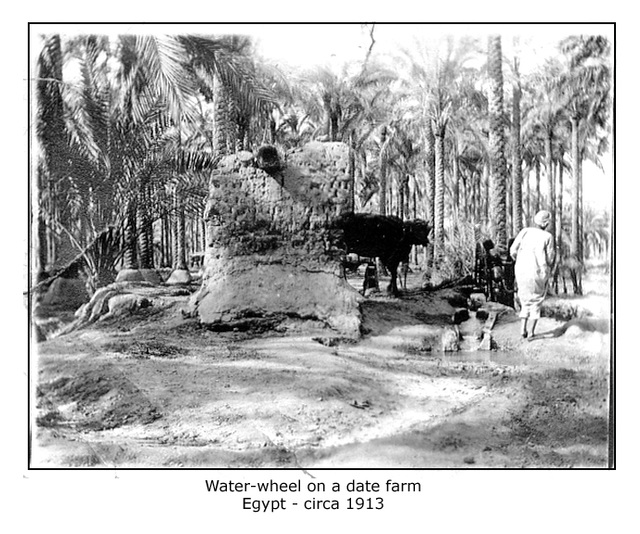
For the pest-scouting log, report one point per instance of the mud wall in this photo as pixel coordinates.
(270, 246)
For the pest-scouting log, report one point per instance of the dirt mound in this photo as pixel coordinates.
(66, 293)
(98, 399)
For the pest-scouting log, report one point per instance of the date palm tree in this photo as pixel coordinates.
(53, 154)
(236, 87)
(516, 152)
(587, 86)
(439, 121)
(433, 75)
(430, 175)
(498, 189)
(112, 120)
(88, 158)
(547, 114)
(227, 77)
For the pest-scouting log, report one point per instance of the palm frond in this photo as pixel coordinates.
(222, 59)
(164, 73)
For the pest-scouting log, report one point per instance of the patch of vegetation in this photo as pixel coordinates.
(235, 353)
(144, 350)
(333, 392)
(104, 400)
(427, 345)
(54, 385)
(411, 349)
(563, 311)
(50, 419)
(123, 413)
(334, 341)
(248, 323)
(450, 442)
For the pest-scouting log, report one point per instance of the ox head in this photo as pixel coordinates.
(418, 232)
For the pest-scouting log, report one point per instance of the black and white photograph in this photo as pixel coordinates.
(319, 246)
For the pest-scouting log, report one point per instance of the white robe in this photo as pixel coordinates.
(534, 254)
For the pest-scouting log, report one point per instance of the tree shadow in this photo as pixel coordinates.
(585, 324)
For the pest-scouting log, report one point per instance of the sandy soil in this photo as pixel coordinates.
(154, 389)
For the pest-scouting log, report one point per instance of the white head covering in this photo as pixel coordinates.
(542, 218)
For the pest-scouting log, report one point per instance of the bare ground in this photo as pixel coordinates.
(154, 389)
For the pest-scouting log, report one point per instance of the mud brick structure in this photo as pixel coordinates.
(271, 249)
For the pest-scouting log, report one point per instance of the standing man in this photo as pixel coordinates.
(533, 252)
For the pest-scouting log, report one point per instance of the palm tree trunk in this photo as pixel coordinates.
(456, 179)
(580, 213)
(407, 196)
(474, 185)
(41, 258)
(509, 203)
(52, 248)
(527, 195)
(551, 201)
(559, 202)
(477, 196)
(326, 107)
(143, 223)
(470, 198)
(334, 125)
(362, 171)
(537, 199)
(162, 242)
(516, 166)
(130, 257)
(351, 171)
(148, 233)
(203, 234)
(580, 227)
(430, 164)
(414, 196)
(234, 133)
(439, 198)
(464, 196)
(400, 196)
(167, 259)
(179, 237)
(272, 130)
(382, 188)
(221, 117)
(575, 208)
(559, 246)
(575, 190)
(486, 195)
(143, 251)
(497, 144)
(391, 194)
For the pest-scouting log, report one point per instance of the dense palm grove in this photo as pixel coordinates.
(128, 129)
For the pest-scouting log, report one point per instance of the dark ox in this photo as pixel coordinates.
(384, 237)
